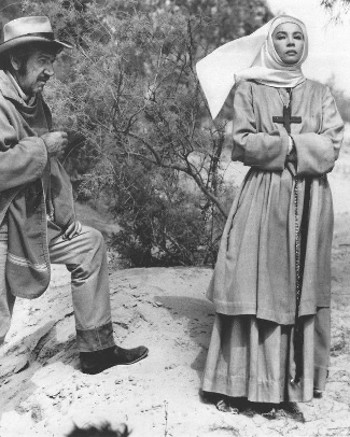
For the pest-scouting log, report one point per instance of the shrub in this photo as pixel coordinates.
(131, 91)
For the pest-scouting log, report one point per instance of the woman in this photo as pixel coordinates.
(271, 284)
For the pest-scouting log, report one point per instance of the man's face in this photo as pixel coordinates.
(33, 76)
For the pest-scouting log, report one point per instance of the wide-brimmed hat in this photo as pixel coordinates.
(27, 30)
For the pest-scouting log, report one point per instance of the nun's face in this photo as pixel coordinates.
(289, 42)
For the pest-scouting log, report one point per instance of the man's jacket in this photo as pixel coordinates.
(32, 186)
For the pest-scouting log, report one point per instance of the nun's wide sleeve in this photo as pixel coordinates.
(317, 152)
(266, 151)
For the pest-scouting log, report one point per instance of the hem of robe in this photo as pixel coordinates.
(224, 308)
(253, 359)
(259, 391)
(263, 314)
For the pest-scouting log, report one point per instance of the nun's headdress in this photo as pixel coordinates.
(251, 57)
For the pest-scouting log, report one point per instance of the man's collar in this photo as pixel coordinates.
(29, 100)
(17, 87)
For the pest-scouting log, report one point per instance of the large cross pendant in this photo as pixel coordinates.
(287, 119)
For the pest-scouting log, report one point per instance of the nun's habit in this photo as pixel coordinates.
(271, 283)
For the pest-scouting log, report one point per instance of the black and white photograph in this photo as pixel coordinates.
(174, 218)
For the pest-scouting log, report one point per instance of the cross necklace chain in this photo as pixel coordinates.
(287, 119)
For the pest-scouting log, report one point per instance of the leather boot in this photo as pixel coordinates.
(96, 362)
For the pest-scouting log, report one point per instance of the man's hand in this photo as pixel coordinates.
(73, 229)
(55, 142)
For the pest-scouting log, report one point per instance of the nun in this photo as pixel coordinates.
(271, 284)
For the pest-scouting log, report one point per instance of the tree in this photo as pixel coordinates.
(337, 8)
(330, 4)
(9, 9)
(132, 91)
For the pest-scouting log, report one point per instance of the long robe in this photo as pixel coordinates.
(255, 275)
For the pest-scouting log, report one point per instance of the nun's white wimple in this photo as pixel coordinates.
(253, 57)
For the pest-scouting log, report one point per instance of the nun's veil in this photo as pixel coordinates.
(252, 57)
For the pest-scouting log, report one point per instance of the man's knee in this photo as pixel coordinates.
(93, 238)
(92, 255)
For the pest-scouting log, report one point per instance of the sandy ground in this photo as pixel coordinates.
(43, 392)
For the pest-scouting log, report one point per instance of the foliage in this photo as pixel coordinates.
(9, 9)
(158, 226)
(336, 8)
(330, 4)
(132, 92)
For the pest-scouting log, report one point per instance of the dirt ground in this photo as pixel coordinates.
(43, 392)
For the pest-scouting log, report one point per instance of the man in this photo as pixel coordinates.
(37, 223)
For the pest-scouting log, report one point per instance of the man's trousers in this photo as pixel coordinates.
(85, 258)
